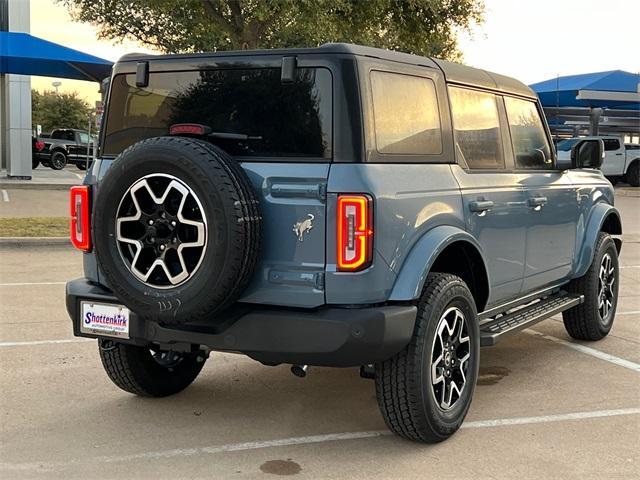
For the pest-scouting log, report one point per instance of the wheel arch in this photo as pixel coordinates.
(444, 249)
(59, 148)
(604, 218)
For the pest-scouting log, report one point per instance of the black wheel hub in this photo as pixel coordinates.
(162, 231)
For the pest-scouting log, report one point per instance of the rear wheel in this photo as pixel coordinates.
(147, 372)
(58, 160)
(34, 163)
(424, 392)
(593, 319)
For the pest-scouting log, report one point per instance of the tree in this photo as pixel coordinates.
(424, 27)
(65, 110)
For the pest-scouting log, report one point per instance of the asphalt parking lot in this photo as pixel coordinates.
(544, 407)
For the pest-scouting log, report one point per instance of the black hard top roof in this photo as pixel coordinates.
(454, 72)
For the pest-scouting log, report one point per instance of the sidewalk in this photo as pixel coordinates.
(43, 179)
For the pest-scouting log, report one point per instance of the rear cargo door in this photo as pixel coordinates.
(291, 270)
(279, 129)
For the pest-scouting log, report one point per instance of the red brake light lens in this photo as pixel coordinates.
(355, 232)
(189, 129)
(80, 218)
(39, 145)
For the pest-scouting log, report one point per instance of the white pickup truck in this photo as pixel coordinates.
(620, 161)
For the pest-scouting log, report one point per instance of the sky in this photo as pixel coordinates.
(531, 40)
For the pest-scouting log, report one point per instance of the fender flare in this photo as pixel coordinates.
(59, 148)
(418, 263)
(599, 215)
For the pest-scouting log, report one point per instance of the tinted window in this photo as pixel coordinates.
(283, 119)
(611, 144)
(530, 144)
(405, 113)
(63, 135)
(476, 127)
(565, 145)
(84, 137)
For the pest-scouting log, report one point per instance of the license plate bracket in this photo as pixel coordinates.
(104, 319)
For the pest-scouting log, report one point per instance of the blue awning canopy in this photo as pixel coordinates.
(25, 54)
(615, 89)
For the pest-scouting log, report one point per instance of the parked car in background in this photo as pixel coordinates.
(621, 162)
(66, 145)
(36, 148)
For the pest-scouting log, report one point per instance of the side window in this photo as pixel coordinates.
(83, 137)
(476, 126)
(406, 115)
(611, 144)
(530, 143)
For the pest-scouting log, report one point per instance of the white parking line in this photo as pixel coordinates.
(5, 195)
(590, 351)
(26, 284)
(45, 342)
(633, 312)
(312, 439)
(630, 266)
(81, 177)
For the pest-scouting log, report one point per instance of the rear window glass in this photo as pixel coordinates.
(476, 126)
(611, 144)
(406, 116)
(282, 119)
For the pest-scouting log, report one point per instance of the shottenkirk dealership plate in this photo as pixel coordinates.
(105, 319)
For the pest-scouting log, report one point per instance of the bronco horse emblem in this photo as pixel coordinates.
(305, 226)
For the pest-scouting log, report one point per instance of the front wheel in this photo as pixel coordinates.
(593, 319)
(147, 372)
(633, 174)
(424, 392)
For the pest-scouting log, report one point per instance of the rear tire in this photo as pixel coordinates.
(34, 163)
(633, 174)
(593, 319)
(58, 160)
(139, 371)
(412, 387)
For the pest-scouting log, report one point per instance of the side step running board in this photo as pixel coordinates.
(502, 326)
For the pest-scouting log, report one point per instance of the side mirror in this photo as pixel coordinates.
(587, 154)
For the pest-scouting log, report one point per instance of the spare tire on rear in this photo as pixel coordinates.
(177, 229)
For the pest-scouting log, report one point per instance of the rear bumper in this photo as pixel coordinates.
(338, 337)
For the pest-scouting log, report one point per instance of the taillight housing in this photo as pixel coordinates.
(81, 218)
(355, 232)
(39, 146)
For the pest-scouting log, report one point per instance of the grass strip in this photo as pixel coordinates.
(34, 227)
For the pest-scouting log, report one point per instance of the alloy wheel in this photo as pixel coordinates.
(450, 355)
(161, 231)
(606, 280)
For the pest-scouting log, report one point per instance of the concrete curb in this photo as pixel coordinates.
(34, 241)
(627, 192)
(19, 185)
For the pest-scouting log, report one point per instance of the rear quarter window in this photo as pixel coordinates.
(283, 119)
(405, 113)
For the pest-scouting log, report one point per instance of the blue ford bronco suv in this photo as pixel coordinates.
(337, 206)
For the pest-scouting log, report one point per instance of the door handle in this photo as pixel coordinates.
(537, 202)
(618, 154)
(480, 206)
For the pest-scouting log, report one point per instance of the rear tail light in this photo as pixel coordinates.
(80, 218)
(39, 146)
(355, 232)
(189, 129)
